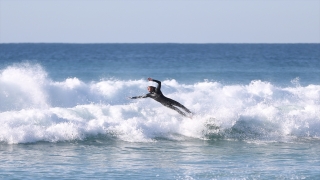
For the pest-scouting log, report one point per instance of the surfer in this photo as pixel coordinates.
(156, 94)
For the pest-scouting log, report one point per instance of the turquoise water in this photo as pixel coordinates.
(65, 113)
(189, 159)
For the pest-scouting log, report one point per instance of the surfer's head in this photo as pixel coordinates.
(151, 88)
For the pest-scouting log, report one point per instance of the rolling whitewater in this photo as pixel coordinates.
(65, 112)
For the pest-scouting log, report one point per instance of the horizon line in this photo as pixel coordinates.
(158, 43)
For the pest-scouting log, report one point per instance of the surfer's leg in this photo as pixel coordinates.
(176, 109)
(175, 103)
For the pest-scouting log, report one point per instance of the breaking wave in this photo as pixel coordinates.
(35, 108)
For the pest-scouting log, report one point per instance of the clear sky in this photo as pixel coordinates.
(160, 21)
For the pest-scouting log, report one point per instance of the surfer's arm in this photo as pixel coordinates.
(159, 83)
(138, 97)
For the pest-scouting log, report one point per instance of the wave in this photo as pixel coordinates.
(35, 108)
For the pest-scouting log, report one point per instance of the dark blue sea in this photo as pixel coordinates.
(65, 111)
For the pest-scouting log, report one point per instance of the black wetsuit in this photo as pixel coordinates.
(158, 96)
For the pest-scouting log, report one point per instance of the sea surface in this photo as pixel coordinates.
(65, 111)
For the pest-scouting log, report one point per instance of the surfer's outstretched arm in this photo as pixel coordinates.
(138, 97)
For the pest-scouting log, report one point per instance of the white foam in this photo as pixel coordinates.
(35, 108)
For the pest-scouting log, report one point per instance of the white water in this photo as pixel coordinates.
(34, 108)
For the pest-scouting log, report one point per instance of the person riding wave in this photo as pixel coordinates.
(156, 94)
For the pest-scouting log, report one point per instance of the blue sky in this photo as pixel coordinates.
(160, 21)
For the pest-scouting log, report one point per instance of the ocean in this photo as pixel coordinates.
(65, 111)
